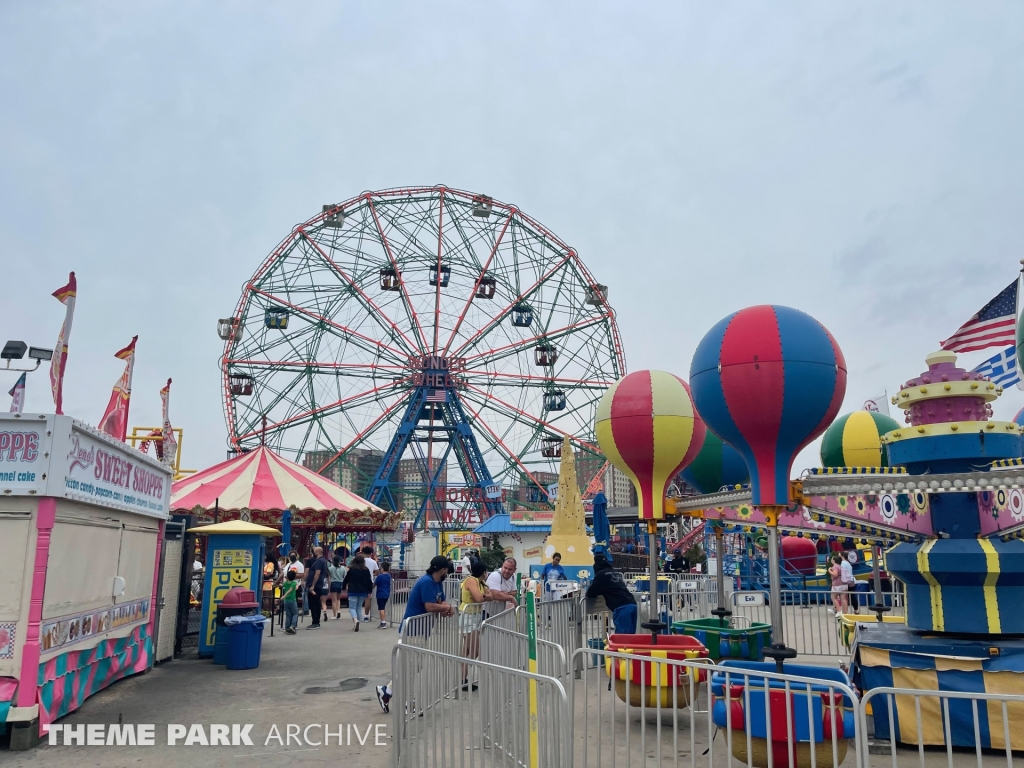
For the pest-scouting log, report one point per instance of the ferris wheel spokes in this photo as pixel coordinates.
(403, 289)
(352, 401)
(372, 309)
(476, 287)
(347, 333)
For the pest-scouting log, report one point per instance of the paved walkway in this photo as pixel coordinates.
(318, 676)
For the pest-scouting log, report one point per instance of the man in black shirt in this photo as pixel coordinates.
(609, 584)
(316, 576)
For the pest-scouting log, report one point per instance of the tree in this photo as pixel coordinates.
(695, 556)
(494, 555)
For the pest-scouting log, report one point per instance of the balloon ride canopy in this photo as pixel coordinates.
(767, 380)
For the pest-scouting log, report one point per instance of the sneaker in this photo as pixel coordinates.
(366, 618)
(467, 687)
(383, 699)
(357, 626)
(832, 610)
(382, 625)
(313, 626)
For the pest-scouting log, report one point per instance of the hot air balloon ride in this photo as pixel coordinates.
(647, 426)
(767, 380)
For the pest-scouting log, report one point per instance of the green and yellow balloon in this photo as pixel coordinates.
(855, 440)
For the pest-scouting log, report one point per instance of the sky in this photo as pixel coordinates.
(859, 161)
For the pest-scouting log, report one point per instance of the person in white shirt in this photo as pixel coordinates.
(371, 564)
(502, 586)
(294, 564)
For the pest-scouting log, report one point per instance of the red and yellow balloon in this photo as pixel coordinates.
(647, 426)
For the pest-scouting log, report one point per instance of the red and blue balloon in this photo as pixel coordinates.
(768, 380)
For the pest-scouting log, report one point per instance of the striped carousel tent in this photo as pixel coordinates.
(259, 486)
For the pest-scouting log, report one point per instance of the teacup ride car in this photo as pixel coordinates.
(784, 723)
(651, 683)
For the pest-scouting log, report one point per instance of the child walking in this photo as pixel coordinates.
(291, 604)
(383, 585)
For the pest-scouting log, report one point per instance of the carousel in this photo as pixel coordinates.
(261, 487)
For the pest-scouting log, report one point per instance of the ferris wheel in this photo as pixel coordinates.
(423, 347)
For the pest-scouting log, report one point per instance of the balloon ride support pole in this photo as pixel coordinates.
(876, 557)
(777, 650)
(721, 611)
(654, 624)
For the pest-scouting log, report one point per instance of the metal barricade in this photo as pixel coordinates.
(901, 725)
(809, 621)
(395, 609)
(560, 622)
(434, 632)
(632, 710)
(508, 648)
(510, 619)
(437, 721)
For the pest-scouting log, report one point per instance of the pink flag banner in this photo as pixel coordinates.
(58, 362)
(115, 419)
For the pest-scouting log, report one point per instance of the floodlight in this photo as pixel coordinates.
(13, 350)
(38, 353)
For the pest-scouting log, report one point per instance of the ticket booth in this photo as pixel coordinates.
(234, 558)
(81, 527)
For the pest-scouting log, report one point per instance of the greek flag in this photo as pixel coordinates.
(1002, 368)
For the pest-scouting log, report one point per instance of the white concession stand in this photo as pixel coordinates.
(81, 526)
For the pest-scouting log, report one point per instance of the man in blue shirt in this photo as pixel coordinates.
(427, 596)
(553, 571)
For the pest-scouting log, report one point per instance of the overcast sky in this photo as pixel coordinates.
(860, 161)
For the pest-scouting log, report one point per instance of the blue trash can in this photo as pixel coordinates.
(245, 640)
(220, 645)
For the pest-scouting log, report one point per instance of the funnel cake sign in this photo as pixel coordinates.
(48, 455)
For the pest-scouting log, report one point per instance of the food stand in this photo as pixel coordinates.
(81, 525)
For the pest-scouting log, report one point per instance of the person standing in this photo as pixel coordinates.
(383, 586)
(846, 574)
(553, 571)
(839, 588)
(359, 585)
(271, 579)
(371, 565)
(501, 584)
(474, 594)
(609, 584)
(289, 592)
(426, 596)
(316, 586)
(337, 571)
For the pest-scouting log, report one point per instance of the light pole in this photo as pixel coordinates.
(15, 350)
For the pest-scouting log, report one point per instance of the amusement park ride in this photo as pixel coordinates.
(407, 332)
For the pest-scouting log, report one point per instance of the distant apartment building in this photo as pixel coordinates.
(618, 488)
(353, 471)
(528, 494)
(411, 479)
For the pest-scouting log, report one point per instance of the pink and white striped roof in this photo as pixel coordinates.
(262, 481)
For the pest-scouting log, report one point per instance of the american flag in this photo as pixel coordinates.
(1002, 368)
(994, 326)
(437, 396)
